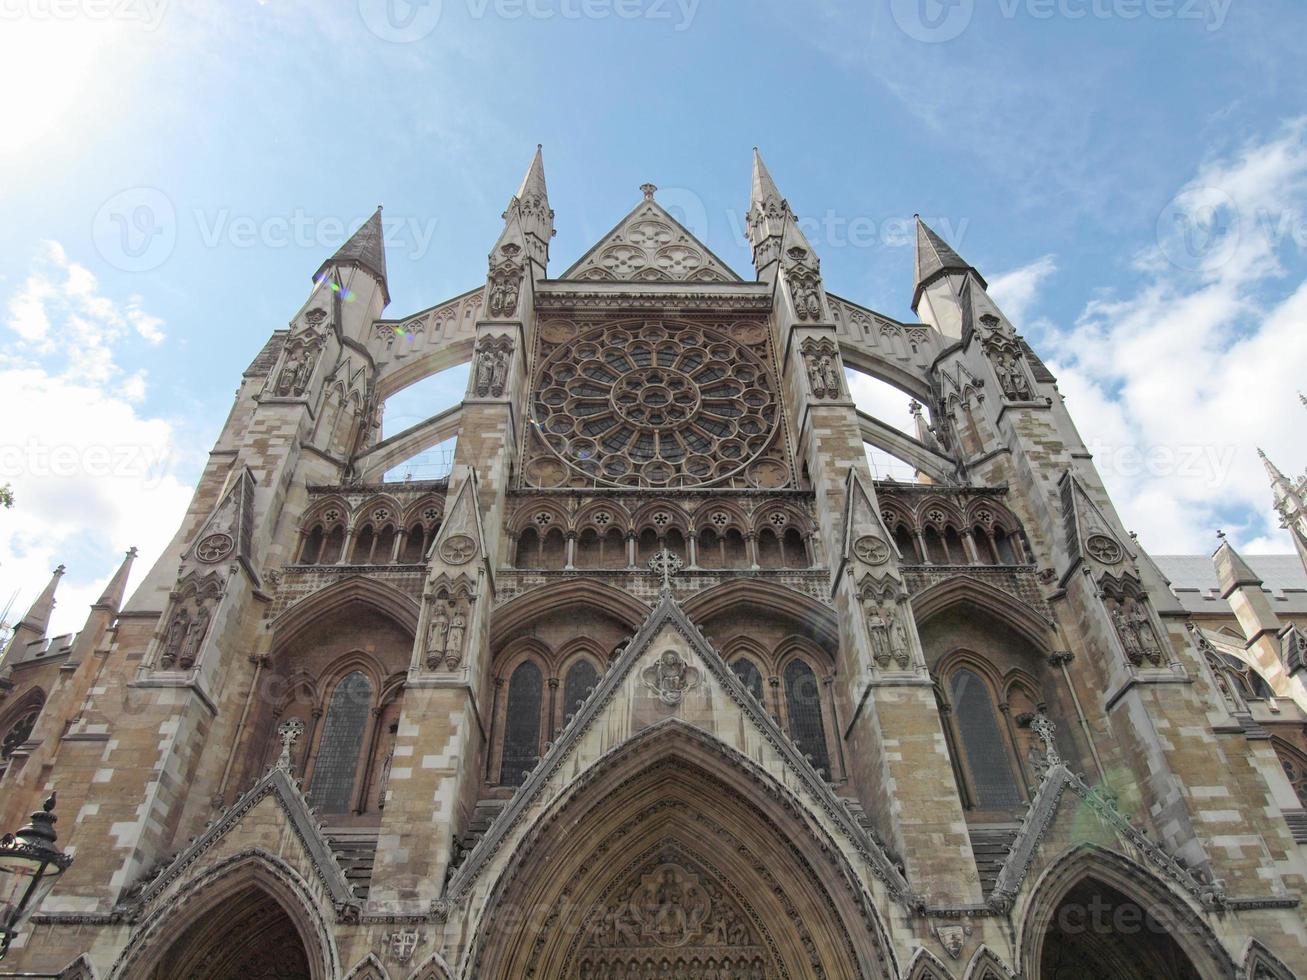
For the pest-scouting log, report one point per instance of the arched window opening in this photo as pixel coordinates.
(614, 548)
(769, 549)
(384, 551)
(793, 549)
(1295, 769)
(335, 770)
(935, 552)
(710, 549)
(334, 547)
(553, 552)
(581, 676)
(528, 549)
(589, 549)
(415, 545)
(907, 545)
(20, 730)
(674, 542)
(734, 551)
(521, 725)
(747, 671)
(984, 546)
(1003, 544)
(985, 754)
(363, 544)
(312, 549)
(957, 553)
(648, 545)
(803, 704)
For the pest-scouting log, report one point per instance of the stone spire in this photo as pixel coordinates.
(1279, 482)
(112, 598)
(37, 620)
(528, 220)
(366, 249)
(769, 214)
(934, 259)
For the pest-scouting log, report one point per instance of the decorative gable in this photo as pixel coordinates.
(649, 245)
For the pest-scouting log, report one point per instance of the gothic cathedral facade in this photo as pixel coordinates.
(660, 682)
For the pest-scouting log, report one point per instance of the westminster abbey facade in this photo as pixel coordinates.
(660, 682)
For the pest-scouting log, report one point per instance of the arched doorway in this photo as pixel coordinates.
(673, 859)
(1097, 913)
(250, 938)
(1099, 932)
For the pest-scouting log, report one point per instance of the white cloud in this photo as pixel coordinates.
(1016, 291)
(1175, 385)
(91, 474)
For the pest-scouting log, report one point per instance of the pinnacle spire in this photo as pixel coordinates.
(769, 216)
(1231, 569)
(533, 184)
(37, 619)
(764, 188)
(366, 248)
(934, 258)
(112, 597)
(1278, 479)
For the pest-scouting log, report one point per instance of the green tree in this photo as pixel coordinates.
(6, 496)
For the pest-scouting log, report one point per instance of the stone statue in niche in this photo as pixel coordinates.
(505, 290)
(296, 367)
(436, 633)
(1003, 347)
(889, 640)
(878, 627)
(822, 360)
(454, 641)
(175, 639)
(805, 287)
(194, 638)
(493, 357)
(1135, 629)
(898, 641)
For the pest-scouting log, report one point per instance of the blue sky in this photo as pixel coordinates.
(1063, 146)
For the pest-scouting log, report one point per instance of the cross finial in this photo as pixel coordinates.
(1045, 730)
(649, 191)
(289, 732)
(666, 564)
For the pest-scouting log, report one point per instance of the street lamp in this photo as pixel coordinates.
(30, 864)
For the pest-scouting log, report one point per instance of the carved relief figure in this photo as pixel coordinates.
(454, 643)
(493, 356)
(878, 627)
(823, 367)
(436, 634)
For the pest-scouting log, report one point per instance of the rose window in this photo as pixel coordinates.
(656, 405)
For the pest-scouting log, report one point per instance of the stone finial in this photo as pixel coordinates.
(665, 564)
(649, 191)
(289, 733)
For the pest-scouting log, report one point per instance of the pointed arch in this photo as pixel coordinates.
(818, 620)
(925, 965)
(172, 913)
(964, 590)
(766, 842)
(587, 594)
(1089, 862)
(986, 965)
(368, 968)
(1259, 963)
(336, 599)
(433, 967)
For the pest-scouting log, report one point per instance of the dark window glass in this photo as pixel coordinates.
(803, 698)
(522, 725)
(982, 743)
(747, 671)
(582, 676)
(342, 740)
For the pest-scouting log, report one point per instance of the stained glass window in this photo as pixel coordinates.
(982, 743)
(521, 725)
(747, 671)
(580, 677)
(803, 699)
(342, 740)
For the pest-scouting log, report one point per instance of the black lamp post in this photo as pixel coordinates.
(30, 864)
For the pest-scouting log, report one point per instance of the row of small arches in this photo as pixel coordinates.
(615, 549)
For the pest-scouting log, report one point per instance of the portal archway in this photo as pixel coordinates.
(670, 860)
(1095, 913)
(252, 939)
